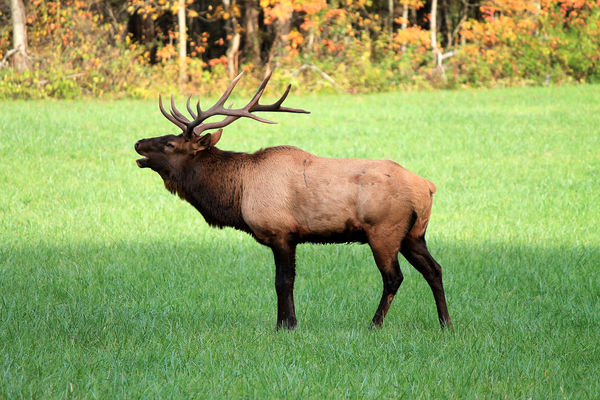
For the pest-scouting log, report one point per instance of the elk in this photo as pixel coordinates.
(284, 196)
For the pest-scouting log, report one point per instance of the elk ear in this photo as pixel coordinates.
(215, 136)
(202, 142)
(206, 141)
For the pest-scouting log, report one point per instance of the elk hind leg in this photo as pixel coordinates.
(416, 252)
(385, 253)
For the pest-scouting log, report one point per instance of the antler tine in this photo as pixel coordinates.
(213, 125)
(247, 110)
(187, 105)
(170, 117)
(259, 92)
(276, 107)
(252, 104)
(175, 113)
(283, 97)
(230, 88)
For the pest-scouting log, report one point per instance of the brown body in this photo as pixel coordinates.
(284, 196)
(287, 191)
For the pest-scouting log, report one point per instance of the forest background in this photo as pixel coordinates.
(134, 48)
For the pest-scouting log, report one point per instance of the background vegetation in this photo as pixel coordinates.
(110, 287)
(135, 48)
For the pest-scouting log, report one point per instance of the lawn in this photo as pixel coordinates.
(110, 287)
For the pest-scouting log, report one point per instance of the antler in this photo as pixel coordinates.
(196, 126)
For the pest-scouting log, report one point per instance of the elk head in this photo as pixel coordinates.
(166, 154)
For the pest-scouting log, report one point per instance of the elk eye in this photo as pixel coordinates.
(170, 145)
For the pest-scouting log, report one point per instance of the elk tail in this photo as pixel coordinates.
(431, 185)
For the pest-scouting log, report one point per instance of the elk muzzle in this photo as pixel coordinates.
(141, 162)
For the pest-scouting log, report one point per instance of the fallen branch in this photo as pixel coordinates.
(317, 69)
(4, 61)
(441, 57)
(77, 75)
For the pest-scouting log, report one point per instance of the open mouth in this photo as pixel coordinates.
(142, 162)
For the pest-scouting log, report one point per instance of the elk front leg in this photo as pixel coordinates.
(386, 258)
(285, 272)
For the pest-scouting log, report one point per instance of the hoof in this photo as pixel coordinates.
(375, 326)
(289, 326)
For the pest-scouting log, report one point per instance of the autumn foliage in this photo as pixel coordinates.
(527, 41)
(129, 47)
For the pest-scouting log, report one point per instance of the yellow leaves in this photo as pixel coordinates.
(296, 39)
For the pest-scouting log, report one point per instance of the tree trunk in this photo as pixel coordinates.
(433, 32)
(447, 23)
(282, 30)
(404, 21)
(21, 59)
(391, 19)
(252, 47)
(182, 42)
(234, 36)
(404, 16)
(233, 51)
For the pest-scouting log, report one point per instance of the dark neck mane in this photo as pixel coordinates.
(212, 183)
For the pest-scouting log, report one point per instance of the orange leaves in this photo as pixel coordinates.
(333, 48)
(412, 35)
(166, 52)
(416, 4)
(527, 9)
(155, 8)
(520, 39)
(509, 7)
(335, 13)
(504, 22)
(217, 61)
(311, 6)
(282, 10)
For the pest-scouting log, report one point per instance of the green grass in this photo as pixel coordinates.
(110, 287)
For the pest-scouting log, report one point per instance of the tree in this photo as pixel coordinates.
(19, 52)
(433, 31)
(233, 36)
(182, 41)
(391, 20)
(252, 32)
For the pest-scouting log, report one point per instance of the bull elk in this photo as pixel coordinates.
(284, 196)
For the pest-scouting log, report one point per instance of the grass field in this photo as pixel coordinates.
(110, 287)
